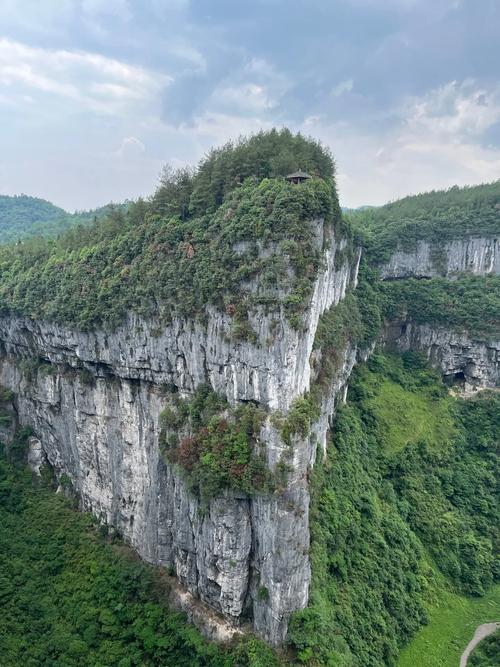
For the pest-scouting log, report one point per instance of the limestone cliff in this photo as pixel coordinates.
(472, 255)
(470, 362)
(93, 400)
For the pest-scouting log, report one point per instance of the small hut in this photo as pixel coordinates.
(298, 177)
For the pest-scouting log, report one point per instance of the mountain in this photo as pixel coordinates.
(22, 217)
(290, 411)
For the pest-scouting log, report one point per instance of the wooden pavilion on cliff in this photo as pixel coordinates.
(298, 177)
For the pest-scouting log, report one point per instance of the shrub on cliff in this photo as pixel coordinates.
(215, 445)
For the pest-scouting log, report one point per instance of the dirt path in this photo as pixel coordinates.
(482, 631)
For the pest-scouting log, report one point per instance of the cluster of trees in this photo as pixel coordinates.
(435, 216)
(382, 519)
(72, 596)
(23, 217)
(215, 446)
(188, 192)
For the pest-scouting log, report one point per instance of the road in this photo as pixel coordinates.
(482, 631)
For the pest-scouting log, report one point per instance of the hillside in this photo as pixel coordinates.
(174, 254)
(22, 217)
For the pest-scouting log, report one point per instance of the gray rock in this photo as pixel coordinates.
(244, 557)
(474, 255)
(471, 362)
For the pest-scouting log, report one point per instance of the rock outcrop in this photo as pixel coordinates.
(93, 400)
(473, 255)
(469, 362)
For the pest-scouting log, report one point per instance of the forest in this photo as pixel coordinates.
(23, 217)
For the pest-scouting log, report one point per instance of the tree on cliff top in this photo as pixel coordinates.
(186, 192)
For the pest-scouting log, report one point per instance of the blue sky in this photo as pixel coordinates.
(96, 95)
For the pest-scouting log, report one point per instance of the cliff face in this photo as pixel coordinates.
(94, 404)
(474, 255)
(470, 362)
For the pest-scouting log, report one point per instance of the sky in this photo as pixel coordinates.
(97, 95)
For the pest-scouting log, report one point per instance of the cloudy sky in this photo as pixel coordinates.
(95, 95)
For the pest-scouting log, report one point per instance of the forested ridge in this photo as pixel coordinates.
(177, 253)
(436, 217)
(23, 217)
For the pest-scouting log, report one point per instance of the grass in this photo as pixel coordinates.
(405, 416)
(453, 619)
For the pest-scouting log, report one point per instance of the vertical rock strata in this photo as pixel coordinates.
(477, 256)
(94, 403)
(469, 362)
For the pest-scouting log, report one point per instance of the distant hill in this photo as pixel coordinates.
(22, 217)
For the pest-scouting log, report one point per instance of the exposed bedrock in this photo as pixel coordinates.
(94, 406)
(470, 362)
(474, 255)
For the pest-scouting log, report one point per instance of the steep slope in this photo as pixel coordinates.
(408, 493)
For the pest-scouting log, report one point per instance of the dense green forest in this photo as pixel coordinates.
(435, 216)
(409, 490)
(176, 259)
(72, 596)
(470, 303)
(22, 217)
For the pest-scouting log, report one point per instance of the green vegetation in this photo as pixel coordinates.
(175, 263)
(435, 216)
(22, 217)
(392, 503)
(303, 412)
(72, 597)
(469, 303)
(216, 446)
(402, 411)
(193, 192)
(487, 654)
(356, 319)
(453, 619)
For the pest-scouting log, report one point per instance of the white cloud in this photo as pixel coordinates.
(343, 87)
(455, 110)
(436, 145)
(104, 85)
